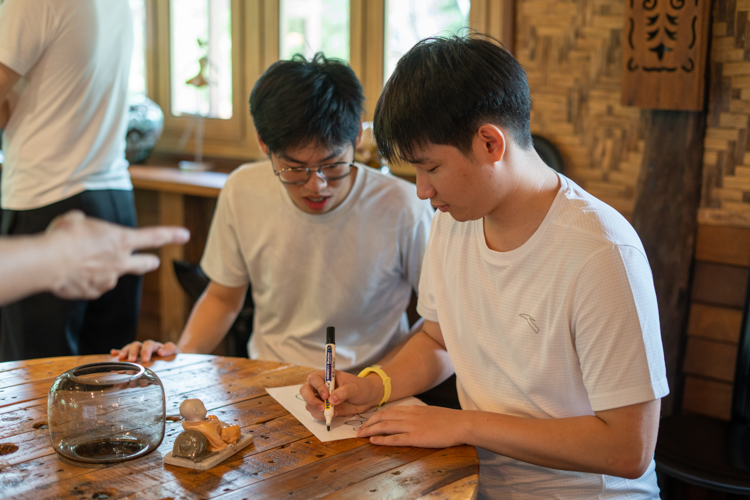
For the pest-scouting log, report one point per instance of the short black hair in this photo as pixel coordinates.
(444, 89)
(298, 101)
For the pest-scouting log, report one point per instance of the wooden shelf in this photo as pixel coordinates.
(173, 180)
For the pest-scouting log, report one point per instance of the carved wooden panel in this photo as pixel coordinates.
(664, 54)
(572, 53)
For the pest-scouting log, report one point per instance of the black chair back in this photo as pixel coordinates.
(741, 389)
(194, 281)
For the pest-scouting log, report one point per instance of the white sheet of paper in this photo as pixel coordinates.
(341, 427)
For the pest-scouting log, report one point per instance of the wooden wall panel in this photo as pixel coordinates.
(664, 64)
(726, 158)
(707, 397)
(717, 302)
(728, 245)
(572, 53)
(719, 284)
(715, 323)
(710, 359)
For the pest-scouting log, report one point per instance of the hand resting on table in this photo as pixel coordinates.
(145, 350)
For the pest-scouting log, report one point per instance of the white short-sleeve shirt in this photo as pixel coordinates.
(565, 325)
(66, 132)
(353, 268)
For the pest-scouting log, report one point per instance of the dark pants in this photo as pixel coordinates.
(43, 325)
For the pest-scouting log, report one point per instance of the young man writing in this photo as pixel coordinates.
(324, 242)
(537, 294)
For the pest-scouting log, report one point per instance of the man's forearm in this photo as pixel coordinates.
(27, 266)
(208, 323)
(617, 442)
(419, 365)
(622, 446)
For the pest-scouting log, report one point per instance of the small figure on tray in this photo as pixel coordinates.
(206, 440)
(217, 432)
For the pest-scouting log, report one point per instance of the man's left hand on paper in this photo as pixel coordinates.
(420, 426)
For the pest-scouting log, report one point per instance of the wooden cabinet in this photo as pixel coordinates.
(166, 195)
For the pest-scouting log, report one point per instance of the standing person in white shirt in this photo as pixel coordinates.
(322, 240)
(68, 64)
(537, 294)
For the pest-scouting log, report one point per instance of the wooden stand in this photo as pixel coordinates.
(212, 459)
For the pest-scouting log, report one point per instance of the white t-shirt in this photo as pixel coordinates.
(565, 325)
(66, 132)
(352, 268)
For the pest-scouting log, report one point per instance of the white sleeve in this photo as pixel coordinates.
(427, 305)
(25, 32)
(222, 260)
(615, 326)
(413, 244)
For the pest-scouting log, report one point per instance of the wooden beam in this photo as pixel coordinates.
(665, 216)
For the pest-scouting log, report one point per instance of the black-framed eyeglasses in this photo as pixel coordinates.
(300, 175)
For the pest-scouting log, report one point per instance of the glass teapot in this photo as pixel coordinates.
(106, 412)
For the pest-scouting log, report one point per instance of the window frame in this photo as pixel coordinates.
(255, 46)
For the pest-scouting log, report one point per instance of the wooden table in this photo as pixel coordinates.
(285, 461)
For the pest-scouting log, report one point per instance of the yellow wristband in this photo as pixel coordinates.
(386, 381)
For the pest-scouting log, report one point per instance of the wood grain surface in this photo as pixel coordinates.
(664, 54)
(720, 276)
(285, 461)
(173, 180)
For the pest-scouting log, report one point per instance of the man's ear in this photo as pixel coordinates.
(262, 144)
(492, 142)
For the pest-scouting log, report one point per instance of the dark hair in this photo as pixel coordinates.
(298, 101)
(444, 89)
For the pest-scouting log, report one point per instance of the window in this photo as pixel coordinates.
(204, 56)
(201, 58)
(309, 26)
(409, 21)
(138, 64)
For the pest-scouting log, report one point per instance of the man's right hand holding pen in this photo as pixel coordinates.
(419, 365)
(351, 395)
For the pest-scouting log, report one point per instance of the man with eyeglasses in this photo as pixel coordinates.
(323, 240)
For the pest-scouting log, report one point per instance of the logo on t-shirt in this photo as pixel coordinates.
(530, 321)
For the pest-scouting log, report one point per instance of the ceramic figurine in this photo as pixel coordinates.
(206, 440)
(217, 432)
(191, 445)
